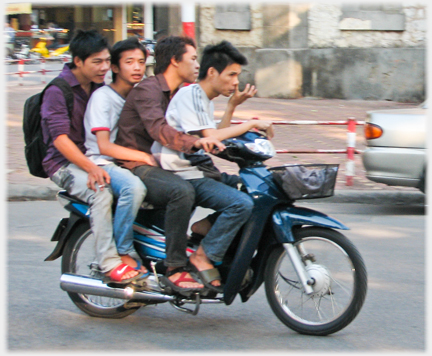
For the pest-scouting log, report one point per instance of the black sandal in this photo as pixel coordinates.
(175, 285)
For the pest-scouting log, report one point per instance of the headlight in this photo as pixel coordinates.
(261, 146)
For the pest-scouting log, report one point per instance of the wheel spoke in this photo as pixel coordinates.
(334, 264)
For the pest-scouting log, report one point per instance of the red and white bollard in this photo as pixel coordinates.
(188, 19)
(350, 168)
(43, 70)
(21, 71)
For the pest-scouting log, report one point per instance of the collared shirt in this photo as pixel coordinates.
(142, 121)
(189, 111)
(56, 121)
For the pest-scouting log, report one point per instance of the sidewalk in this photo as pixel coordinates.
(23, 186)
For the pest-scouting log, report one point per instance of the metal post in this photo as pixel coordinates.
(148, 21)
(20, 71)
(43, 70)
(188, 19)
(350, 168)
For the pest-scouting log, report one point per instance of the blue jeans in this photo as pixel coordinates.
(234, 208)
(168, 190)
(130, 192)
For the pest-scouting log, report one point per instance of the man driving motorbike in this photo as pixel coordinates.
(191, 111)
(142, 121)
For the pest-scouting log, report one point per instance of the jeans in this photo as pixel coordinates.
(74, 180)
(165, 189)
(129, 191)
(234, 209)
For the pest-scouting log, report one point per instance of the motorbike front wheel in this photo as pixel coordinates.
(339, 289)
(79, 258)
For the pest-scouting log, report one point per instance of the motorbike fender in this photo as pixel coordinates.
(284, 219)
(61, 235)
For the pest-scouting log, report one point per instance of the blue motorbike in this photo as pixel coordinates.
(315, 279)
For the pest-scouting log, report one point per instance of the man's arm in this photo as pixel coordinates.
(108, 148)
(72, 153)
(152, 115)
(237, 130)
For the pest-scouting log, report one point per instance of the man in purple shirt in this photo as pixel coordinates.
(66, 163)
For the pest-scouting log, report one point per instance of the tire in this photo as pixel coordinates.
(422, 184)
(340, 283)
(79, 258)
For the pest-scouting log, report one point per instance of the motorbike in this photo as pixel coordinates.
(314, 277)
(22, 51)
(41, 50)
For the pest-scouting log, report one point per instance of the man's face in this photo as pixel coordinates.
(131, 66)
(225, 83)
(95, 66)
(188, 67)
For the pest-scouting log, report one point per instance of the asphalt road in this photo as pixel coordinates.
(41, 317)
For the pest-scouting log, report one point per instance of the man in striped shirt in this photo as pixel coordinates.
(191, 111)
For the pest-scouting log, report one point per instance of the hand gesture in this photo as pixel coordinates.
(97, 176)
(209, 143)
(266, 126)
(240, 97)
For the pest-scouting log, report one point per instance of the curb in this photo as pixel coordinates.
(376, 197)
(25, 192)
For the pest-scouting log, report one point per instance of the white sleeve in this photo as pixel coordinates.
(97, 115)
(190, 112)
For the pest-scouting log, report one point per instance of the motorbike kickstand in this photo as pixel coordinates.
(176, 304)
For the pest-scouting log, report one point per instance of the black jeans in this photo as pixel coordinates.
(165, 189)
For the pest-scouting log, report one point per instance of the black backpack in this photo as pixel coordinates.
(35, 148)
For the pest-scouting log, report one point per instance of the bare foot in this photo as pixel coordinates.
(200, 260)
(201, 227)
(132, 262)
(176, 276)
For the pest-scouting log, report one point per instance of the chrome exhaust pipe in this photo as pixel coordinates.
(87, 285)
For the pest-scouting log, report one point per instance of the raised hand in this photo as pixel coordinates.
(240, 97)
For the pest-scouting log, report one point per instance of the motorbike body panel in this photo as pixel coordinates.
(284, 219)
(264, 194)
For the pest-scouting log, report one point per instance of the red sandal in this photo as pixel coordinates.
(117, 273)
(175, 286)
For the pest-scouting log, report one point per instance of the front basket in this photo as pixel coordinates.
(309, 181)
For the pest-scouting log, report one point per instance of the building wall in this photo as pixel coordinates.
(325, 27)
(240, 38)
(364, 51)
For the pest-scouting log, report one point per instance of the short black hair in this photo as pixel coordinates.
(122, 46)
(220, 56)
(86, 43)
(169, 47)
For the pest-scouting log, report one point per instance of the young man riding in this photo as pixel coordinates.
(128, 59)
(142, 122)
(65, 161)
(191, 111)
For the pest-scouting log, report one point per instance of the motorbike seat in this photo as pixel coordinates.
(66, 195)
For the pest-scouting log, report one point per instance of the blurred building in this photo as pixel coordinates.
(369, 51)
(366, 51)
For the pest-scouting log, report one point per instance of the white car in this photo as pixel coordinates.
(396, 147)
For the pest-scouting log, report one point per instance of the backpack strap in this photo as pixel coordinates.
(67, 92)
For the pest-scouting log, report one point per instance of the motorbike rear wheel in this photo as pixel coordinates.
(340, 286)
(79, 258)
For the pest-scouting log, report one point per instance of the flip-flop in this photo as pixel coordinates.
(207, 276)
(117, 273)
(175, 285)
(138, 267)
